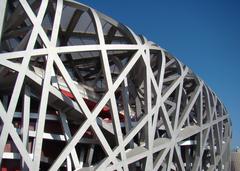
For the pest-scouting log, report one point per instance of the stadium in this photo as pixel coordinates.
(81, 91)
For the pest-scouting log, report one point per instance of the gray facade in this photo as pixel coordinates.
(235, 160)
(81, 91)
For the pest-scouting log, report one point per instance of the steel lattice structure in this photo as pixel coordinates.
(80, 91)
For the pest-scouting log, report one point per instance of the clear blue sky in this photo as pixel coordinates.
(203, 34)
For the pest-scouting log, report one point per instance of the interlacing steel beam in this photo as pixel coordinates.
(81, 91)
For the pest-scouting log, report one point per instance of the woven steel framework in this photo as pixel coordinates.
(80, 91)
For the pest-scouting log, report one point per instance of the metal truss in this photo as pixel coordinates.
(80, 91)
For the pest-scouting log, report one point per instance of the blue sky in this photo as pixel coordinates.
(204, 34)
